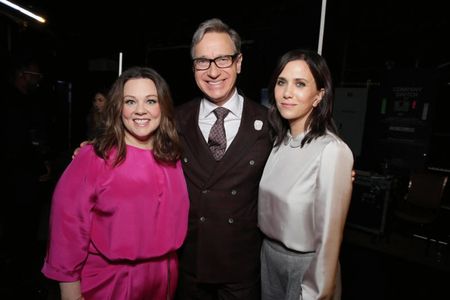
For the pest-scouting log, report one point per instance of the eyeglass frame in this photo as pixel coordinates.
(210, 60)
(33, 73)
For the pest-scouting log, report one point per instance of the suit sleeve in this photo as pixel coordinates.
(330, 212)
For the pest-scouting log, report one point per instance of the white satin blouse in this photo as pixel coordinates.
(304, 196)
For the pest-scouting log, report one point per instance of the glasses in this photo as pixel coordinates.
(224, 61)
(33, 73)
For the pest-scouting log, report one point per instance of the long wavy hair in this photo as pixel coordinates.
(320, 120)
(166, 143)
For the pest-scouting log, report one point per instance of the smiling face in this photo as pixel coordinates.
(141, 113)
(216, 83)
(296, 94)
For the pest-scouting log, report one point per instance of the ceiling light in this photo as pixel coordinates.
(23, 10)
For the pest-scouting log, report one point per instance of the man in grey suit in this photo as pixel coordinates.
(220, 258)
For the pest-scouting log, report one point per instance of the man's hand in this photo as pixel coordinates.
(83, 143)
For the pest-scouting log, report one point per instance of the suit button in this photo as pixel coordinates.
(252, 162)
(233, 192)
(202, 219)
(230, 220)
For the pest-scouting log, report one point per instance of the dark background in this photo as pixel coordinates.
(390, 62)
(376, 45)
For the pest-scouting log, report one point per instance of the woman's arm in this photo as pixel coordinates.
(70, 290)
(330, 212)
(70, 218)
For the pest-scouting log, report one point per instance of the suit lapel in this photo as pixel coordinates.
(245, 138)
(199, 164)
(204, 171)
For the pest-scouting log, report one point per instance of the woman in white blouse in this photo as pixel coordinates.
(305, 190)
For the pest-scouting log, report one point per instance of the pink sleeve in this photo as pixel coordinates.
(70, 217)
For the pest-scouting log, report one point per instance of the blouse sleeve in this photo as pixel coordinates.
(330, 211)
(70, 218)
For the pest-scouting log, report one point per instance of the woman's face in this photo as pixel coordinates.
(296, 94)
(99, 101)
(141, 113)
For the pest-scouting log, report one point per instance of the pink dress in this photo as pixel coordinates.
(117, 229)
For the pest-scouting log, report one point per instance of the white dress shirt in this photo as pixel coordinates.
(207, 118)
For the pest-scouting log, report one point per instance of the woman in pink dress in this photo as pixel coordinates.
(119, 211)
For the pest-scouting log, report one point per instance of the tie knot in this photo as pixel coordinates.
(221, 112)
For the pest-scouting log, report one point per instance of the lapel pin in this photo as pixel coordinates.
(258, 125)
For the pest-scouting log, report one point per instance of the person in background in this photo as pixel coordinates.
(302, 213)
(119, 211)
(24, 165)
(220, 257)
(94, 117)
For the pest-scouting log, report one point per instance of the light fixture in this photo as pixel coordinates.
(23, 10)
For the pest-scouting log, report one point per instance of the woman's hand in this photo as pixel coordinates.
(70, 291)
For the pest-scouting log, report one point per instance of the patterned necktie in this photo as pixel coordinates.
(217, 139)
